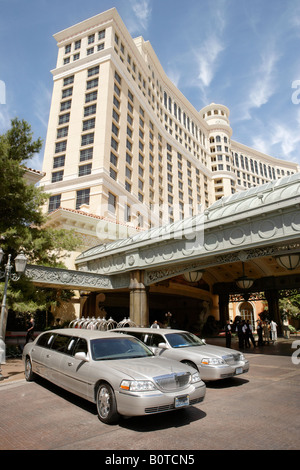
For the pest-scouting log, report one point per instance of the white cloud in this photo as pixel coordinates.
(142, 11)
(207, 58)
(265, 84)
(280, 138)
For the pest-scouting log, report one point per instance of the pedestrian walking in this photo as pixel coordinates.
(30, 330)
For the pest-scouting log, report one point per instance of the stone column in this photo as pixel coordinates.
(139, 307)
(273, 305)
(223, 308)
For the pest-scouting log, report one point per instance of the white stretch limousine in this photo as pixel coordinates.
(117, 372)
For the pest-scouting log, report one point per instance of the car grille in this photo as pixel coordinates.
(161, 408)
(232, 358)
(174, 381)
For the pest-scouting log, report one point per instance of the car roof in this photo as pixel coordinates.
(85, 333)
(163, 331)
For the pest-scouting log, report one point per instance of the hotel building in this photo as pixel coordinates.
(125, 149)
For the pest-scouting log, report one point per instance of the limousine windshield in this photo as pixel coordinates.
(118, 348)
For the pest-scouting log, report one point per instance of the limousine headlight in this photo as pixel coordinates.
(137, 385)
(212, 361)
(196, 378)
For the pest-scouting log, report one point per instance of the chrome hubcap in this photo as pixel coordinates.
(104, 402)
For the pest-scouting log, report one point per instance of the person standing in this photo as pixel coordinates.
(155, 324)
(260, 333)
(250, 334)
(228, 334)
(273, 326)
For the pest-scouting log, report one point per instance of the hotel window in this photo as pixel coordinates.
(68, 80)
(64, 118)
(113, 159)
(65, 105)
(87, 139)
(59, 161)
(84, 170)
(91, 38)
(89, 124)
(127, 213)
(90, 51)
(112, 202)
(57, 176)
(54, 202)
(60, 146)
(128, 173)
(128, 186)
(115, 129)
(93, 71)
(91, 96)
(82, 197)
(118, 78)
(62, 132)
(86, 154)
(114, 144)
(113, 173)
(76, 56)
(77, 44)
(90, 110)
(101, 34)
(100, 47)
(68, 49)
(67, 92)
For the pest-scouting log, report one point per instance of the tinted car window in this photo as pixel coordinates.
(45, 340)
(156, 339)
(80, 346)
(60, 343)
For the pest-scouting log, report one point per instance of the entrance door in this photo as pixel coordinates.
(246, 313)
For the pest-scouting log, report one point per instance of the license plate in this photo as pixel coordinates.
(182, 401)
(239, 370)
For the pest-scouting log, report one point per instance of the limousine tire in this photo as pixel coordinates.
(29, 374)
(106, 404)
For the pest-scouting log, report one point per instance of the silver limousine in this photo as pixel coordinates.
(117, 372)
(213, 362)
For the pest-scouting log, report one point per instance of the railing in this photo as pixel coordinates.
(100, 323)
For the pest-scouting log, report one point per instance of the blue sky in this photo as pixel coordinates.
(244, 54)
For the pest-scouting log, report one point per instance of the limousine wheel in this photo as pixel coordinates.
(106, 404)
(29, 375)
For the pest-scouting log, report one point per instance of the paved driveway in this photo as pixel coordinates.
(259, 410)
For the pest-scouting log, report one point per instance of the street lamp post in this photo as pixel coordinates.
(8, 274)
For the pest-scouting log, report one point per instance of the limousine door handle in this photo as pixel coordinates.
(70, 364)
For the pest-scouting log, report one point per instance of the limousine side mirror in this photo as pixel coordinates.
(82, 356)
(163, 345)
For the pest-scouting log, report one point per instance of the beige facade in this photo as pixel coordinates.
(125, 145)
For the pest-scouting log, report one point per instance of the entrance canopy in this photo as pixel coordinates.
(248, 230)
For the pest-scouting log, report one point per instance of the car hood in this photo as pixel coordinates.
(208, 350)
(146, 368)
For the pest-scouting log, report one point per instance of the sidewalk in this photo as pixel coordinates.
(14, 368)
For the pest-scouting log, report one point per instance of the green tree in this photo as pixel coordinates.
(22, 220)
